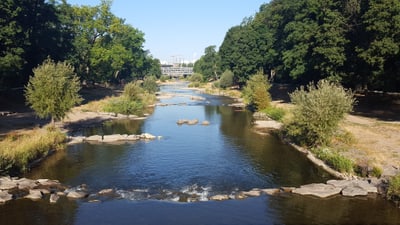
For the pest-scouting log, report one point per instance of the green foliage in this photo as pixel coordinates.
(256, 92)
(394, 188)
(226, 79)
(335, 160)
(274, 113)
(124, 105)
(150, 84)
(196, 77)
(208, 64)
(164, 78)
(318, 111)
(53, 90)
(376, 171)
(133, 91)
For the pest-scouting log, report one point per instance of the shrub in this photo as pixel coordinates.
(53, 90)
(274, 113)
(164, 78)
(133, 91)
(318, 111)
(256, 92)
(124, 105)
(150, 84)
(394, 188)
(376, 171)
(226, 79)
(196, 77)
(335, 160)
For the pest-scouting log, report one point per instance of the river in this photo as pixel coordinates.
(156, 180)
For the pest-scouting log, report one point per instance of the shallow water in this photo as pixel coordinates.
(190, 163)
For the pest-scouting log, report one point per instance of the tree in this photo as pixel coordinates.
(256, 91)
(209, 64)
(226, 79)
(53, 90)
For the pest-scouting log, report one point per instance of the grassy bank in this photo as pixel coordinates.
(19, 150)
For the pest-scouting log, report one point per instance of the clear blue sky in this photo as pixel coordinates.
(181, 29)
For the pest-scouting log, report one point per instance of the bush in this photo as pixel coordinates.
(318, 111)
(274, 113)
(150, 84)
(164, 78)
(394, 188)
(226, 79)
(335, 160)
(53, 90)
(256, 92)
(124, 105)
(196, 77)
(133, 91)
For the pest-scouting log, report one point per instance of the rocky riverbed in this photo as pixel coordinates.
(53, 190)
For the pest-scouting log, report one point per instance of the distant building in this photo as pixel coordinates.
(176, 70)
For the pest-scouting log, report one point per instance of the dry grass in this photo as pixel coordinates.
(19, 149)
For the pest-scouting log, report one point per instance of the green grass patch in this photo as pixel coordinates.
(394, 188)
(335, 160)
(17, 151)
(274, 113)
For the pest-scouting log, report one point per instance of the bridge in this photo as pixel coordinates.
(176, 71)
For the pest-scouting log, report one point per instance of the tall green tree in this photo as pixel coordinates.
(209, 64)
(382, 52)
(53, 90)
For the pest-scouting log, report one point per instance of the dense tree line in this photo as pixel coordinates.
(100, 46)
(356, 42)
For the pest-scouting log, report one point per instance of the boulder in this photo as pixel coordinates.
(147, 136)
(363, 184)
(132, 137)
(287, 189)
(94, 138)
(270, 191)
(77, 194)
(114, 138)
(54, 198)
(34, 194)
(7, 183)
(106, 191)
(219, 197)
(318, 190)
(5, 196)
(352, 191)
(193, 122)
(252, 193)
(182, 121)
(205, 123)
(26, 184)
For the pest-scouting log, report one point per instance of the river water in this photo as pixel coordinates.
(169, 180)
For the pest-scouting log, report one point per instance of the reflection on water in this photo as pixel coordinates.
(224, 157)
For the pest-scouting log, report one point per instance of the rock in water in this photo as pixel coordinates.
(54, 198)
(219, 197)
(352, 191)
(77, 194)
(319, 190)
(7, 183)
(34, 194)
(5, 197)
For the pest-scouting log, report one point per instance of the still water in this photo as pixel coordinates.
(155, 180)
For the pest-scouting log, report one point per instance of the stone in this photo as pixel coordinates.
(94, 138)
(46, 183)
(339, 183)
(270, 191)
(268, 124)
(147, 136)
(114, 138)
(363, 184)
(352, 191)
(252, 193)
(181, 121)
(318, 190)
(7, 183)
(287, 189)
(219, 197)
(44, 191)
(205, 123)
(34, 194)
(5, 197)
(54, 198)
(106, 191)
(193, 122)
(26, 184)
(77, 194)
